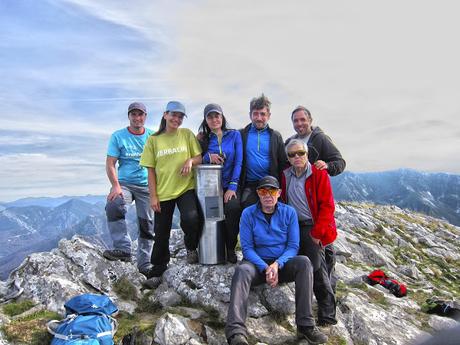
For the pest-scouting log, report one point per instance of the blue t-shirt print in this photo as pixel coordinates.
(128, 147)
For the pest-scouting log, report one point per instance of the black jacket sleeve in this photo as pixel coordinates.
(329, 153)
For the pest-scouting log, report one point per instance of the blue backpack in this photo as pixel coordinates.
(88, 321)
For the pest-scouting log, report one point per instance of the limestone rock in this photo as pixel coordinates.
(173, 330)
(417, 250)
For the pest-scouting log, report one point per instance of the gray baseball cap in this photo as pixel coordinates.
(137, 106)
(212, 107)
(175, 106)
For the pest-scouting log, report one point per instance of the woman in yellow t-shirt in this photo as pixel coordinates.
(169, 155)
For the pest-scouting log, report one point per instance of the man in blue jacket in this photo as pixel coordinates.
(269, 236)
(263, 150)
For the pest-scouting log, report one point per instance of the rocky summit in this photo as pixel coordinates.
(190, 304)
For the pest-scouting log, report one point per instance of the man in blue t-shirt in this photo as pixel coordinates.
(129, 183)
(263, 150)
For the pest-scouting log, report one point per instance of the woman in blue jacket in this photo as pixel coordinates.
(223, 146)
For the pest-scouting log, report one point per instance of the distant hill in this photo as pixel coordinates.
(35, 228)
(52, 202)
(434, 194)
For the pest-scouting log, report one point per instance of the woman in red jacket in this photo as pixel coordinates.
(309, 191)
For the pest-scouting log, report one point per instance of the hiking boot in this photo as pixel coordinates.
(312, 334)
(117, 254)
(152, 283)
(231, 256)
(326, 323)
(155, 271)
(192, 256)
(145, 271)
(237, 339)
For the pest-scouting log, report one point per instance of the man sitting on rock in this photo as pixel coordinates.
(269, 235)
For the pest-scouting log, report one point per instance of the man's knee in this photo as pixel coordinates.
(115, 209)
(303, 263)
(145, 228)
(244, 272)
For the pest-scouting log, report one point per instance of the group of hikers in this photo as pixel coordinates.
(280, 241)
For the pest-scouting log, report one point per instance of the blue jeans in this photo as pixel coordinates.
(116, 211)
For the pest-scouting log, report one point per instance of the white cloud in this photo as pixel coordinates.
(379, 78)
(360, 67)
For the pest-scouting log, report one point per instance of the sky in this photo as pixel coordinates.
(382, 79)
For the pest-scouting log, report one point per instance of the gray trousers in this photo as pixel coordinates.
(116, 211)
(298, 269)
(321, 279)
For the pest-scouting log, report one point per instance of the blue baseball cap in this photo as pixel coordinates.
(175, 106)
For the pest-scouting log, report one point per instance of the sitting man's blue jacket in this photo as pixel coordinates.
(262, 242)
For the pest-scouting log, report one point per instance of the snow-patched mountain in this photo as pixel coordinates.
(435, 194)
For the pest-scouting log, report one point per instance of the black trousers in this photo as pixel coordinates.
(191, 222)
(321, 279)
(249, 195)
(232, 211)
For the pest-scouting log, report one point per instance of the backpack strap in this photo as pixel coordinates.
(50, 328)
(114, 323)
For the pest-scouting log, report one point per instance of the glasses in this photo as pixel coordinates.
(267, 191)
(300, 153)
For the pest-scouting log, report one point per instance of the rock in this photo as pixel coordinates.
(174, 330)
(268, 331)
(280, 299)
(370, 323)
(74, 268)
(410, 271)
(370, 236)
(439, 323)
(166, 297)
(214, 338)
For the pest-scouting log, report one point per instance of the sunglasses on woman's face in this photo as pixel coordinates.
(267, 191)
(300, 153)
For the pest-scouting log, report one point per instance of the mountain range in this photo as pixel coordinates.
(434, 194)
(37, 224)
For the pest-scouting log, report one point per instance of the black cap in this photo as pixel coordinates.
(268, 181)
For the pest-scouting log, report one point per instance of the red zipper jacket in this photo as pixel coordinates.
(320, 200)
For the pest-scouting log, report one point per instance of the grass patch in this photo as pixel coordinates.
(16, 308)
(125, 289)
(282, 320)
(336, 340)
(147, 305)
(362, 286)
(31, 329)
(341, 290)
(128, 323)
(377, 297)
